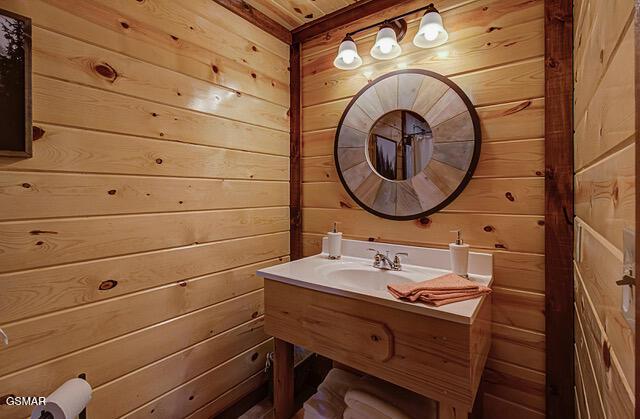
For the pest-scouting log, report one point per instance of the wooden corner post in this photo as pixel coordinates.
(295, 179)
(559, 208)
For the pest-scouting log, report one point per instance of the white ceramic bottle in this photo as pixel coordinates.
(459, 253)
(335, 242)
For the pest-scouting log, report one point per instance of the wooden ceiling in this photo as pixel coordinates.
(294, 13)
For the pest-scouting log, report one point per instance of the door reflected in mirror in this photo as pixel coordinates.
(400, 145)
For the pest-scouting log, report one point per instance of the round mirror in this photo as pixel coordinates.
(407, 144)
(400, 145)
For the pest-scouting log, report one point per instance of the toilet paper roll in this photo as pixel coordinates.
(67, 401)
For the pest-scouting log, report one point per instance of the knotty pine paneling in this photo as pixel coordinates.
(159, 185)
(495, 53)
(294, 13)
(604, 146)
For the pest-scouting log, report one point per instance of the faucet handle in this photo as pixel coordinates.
(397, 263)
(396, 258)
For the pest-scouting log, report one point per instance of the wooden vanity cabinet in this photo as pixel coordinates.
(438, 358)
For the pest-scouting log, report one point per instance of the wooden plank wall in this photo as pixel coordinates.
(495, 53)
(159, 184)
(604, 203)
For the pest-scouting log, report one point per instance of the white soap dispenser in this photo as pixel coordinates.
(335, 242)
(459, 253)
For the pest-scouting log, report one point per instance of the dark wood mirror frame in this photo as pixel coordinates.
(442, 89)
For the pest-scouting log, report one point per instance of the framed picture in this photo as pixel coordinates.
(15, 85)
(386, 156)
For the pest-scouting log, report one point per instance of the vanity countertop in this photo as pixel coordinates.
(354, 276)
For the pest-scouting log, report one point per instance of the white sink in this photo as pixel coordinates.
(359, 275)
(354, 276)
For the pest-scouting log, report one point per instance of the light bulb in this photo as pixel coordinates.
(348, 56)
(430, 32)
(386, 45)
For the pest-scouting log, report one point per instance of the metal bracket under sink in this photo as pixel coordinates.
(628, 280)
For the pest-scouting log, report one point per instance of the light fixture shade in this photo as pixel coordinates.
(347, 58)
(432, 32)
(386, 46)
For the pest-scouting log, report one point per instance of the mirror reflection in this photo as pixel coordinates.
(400, 145)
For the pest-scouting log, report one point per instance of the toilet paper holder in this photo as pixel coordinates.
(4, 337)
(49, 415)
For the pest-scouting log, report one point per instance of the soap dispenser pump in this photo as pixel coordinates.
(459, 253)
(335, 242)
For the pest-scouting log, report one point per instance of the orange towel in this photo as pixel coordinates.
(445, 289)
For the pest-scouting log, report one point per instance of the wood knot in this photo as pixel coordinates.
(538, 173)
(112, 192)
(424, 221)
(182, 283)
(309, 16)
(606, 354)
(175, 38)
(124, 24)
(39, 243)
(3, 399)
(494, 28)
(38, 232)
(500, 246)
(510, 196)
(159, 161)
(254, 75)
(551, 62)
(254, 315)
(26, 185)
(375, 338)
(488, 229)
(191, 397)
(106, 71)
(254, 356)
(107, 285)
(345, 205)
(371, 239)
(154, 114)
(37, 133)
(254, 48)
(541, 222)
(162, 134)
(520, 107)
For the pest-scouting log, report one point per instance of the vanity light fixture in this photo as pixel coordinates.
(430, 34)
(348, 58)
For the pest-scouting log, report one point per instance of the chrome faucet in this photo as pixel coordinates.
(385, 263)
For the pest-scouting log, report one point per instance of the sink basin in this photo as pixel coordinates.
(354, 276)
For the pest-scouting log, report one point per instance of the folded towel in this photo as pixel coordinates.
(371, 406)
(328, 402)
(351, 413)
(443, 299)
(439, 291)
(338, 382)
(409, 403)
(324, 405)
